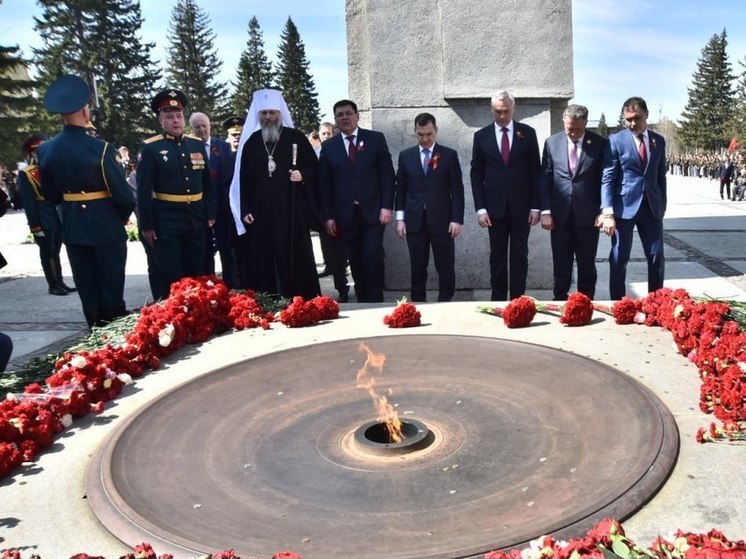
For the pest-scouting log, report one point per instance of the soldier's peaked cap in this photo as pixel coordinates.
(234, 123)
(169, 100)
(67, 94)
(33, 142)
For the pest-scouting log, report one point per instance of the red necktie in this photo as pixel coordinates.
(351, 149)
(642, 151)
(505, 147)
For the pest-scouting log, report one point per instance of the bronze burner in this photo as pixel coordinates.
(374, 437)
(265, 455)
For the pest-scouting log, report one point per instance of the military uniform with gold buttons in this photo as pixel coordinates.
(43, 219)
(82, 174)
(175, 197)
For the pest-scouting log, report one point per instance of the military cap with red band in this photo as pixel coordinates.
(169, 100)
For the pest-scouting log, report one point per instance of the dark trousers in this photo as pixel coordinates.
(364, 243)
(419, 244)
(154, 276)
(335, 260)
(49, 245)
(224, 231)
(725, 183)
(650, 230)
(578, 241)
(99, 272)
(508, 233)
(6, 349)
(179, 254)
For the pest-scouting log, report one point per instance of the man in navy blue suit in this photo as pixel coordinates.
(220, 235)
(429, 208)
(505, 169)
(633, 194)
(356, 177)
(570, 194)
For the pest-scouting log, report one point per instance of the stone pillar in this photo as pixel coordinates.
(448, 57)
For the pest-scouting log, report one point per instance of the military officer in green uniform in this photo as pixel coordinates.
(82, 174)
(43, 219)
(175, 195)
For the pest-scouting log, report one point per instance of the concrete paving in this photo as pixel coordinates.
(43, 507)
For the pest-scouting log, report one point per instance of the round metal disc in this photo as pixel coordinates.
(260, 456)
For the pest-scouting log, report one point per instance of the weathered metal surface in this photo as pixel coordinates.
(260, 456)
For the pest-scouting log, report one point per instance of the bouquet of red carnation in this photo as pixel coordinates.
(299, 313)
(327, 307)
(578, 310)
(625, 310)
(405, 315)
(247, 313)
(519, 312)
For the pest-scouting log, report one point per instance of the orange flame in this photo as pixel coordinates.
(365, 379)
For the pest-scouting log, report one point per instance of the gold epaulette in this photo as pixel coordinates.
(193, 137)
(153, 139)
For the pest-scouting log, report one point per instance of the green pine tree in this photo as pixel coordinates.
(192, 59)
(65, 50)
(16, 103)
(126, 76)
(711, 99)
(295, 81)
(737, 128)
(98, 41)
(254, 70)
(602, 129)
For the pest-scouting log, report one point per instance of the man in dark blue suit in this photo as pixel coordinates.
(356, 178)
(429, 208)
(505, 170)
(633, 194)
(220, 235)
(570, 194)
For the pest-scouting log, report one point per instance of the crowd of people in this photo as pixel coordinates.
(727, 169)
(254, 196)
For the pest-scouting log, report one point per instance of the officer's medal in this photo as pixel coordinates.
(163, 153)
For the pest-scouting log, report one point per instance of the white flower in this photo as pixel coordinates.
(78, 362)
(210, 283)
(640, 318)
(110, 374)
(67, 420)
(125, 378)
(107, 384)
(166, 336)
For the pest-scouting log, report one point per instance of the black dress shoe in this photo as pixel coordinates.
(344, 297)
(324, 273)
(57, 290)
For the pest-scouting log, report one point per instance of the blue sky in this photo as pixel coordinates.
(621, 47)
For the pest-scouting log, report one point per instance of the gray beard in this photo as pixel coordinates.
(271, 133)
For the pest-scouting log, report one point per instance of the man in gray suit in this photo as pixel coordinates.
(570, 195)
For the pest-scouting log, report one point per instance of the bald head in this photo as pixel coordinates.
(200, 125)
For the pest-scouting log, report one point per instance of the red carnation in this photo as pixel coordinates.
(578, 310)
(405, 315)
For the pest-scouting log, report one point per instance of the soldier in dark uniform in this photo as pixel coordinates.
(233, 126)
(82, 174)
(43, 219)
(175, 196)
